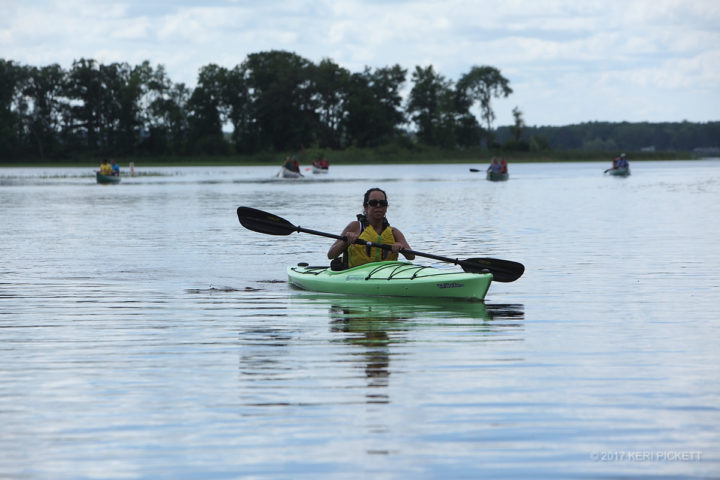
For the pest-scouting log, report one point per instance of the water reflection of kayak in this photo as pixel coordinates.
(345, 307)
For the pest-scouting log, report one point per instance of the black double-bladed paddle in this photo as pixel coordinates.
(264, 222)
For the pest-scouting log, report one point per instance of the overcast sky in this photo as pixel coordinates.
(568, 61)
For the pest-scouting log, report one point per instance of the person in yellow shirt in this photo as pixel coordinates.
(370, 226)
(105, 167)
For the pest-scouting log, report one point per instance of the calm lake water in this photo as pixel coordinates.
(146, 334)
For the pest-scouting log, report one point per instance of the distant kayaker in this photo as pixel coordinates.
(321, 163)
(371, 226)
(292, 164)
(105, 168)
(503, 166)
(115, 167)
(495, 166)
(620, 162)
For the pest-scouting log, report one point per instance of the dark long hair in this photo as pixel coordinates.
(367, 195)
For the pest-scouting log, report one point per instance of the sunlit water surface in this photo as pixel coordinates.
(147, 334)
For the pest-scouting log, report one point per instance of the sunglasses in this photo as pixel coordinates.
(375, 203)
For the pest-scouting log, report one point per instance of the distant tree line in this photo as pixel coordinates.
(272, 101)
(277, 101)
(614, 137)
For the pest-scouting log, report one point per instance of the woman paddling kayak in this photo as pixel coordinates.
(371, 226)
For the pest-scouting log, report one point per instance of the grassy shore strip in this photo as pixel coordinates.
(381, 155)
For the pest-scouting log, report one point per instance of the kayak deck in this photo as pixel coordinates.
(392, 278)
(619, 172)
(497, 177)
(106, 179)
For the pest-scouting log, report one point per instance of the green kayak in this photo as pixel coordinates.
(619, 172)
(394, 279)
(107, 179)
(497, 177)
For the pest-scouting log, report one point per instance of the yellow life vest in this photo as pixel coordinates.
(358, 254)
(105, 169)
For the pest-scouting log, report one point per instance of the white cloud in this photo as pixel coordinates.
(567, 60)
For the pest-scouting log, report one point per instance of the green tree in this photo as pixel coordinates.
(518, 127)
(88, 103)
(206, 111)
(423, 104)
(385, 84)
(468, 131)
(167, 119)
(12, 81)
(43, 106)
(331, 97)
(236, 99)
(132, 99)
(481, 85)
(282, 103)
(517, 130)
(539, 143)
(441, 112)
(374, 107)
(111, 81)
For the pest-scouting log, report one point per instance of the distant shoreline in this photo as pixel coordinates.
(356, 157)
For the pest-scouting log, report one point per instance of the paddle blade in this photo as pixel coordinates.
(502, 270)
(264, 222)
